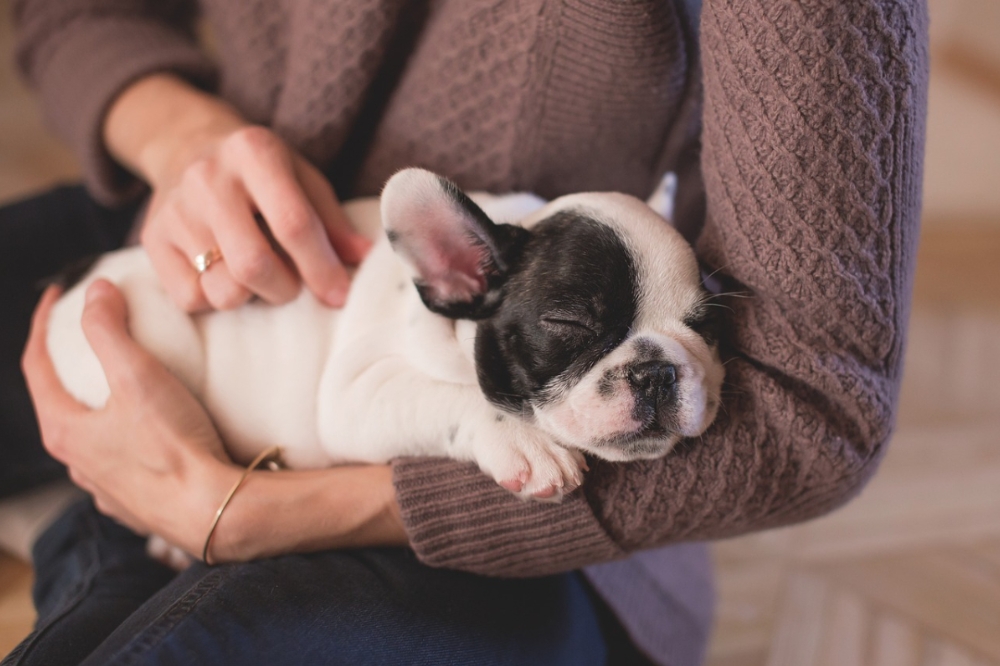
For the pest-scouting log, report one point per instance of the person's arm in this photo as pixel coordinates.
(79, 55)
(152, 459)
(303, 511)
(813, 149)
(118, 81)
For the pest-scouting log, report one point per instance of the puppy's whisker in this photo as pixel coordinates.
(717, 305)
(713, 273)
(733, 294)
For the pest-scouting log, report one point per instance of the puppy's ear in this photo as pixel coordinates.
(458, 257)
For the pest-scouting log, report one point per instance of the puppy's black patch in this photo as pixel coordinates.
(569, 299)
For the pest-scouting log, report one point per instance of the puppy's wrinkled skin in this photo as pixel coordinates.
(504, 330)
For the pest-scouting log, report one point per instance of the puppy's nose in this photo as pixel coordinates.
(653, 380)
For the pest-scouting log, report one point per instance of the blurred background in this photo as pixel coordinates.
(909, 573)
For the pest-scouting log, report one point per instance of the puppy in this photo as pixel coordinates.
(507, 331)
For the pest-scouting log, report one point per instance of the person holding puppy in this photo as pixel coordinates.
(796, 133)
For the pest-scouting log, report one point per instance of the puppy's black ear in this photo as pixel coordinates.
(459, 258)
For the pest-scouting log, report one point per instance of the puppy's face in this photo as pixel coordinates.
(592, 321)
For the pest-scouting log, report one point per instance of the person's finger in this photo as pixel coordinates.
(221, 289)
(248, 256)
(350, 245)
(191, 234)
(47, 392)
(127, 366)
(177, 276)
(270, 180)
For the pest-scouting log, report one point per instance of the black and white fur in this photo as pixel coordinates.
(536, 332)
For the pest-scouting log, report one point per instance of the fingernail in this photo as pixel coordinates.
(336, 297)
(93, 292)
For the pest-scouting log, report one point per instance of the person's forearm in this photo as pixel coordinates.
(274, 513)
(814, 230)
(161, 121)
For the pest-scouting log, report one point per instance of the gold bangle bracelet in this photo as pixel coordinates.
(272, 453)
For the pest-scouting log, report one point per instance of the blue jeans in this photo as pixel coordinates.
(101, 600)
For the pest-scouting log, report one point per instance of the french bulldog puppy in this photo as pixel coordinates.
(503, 330)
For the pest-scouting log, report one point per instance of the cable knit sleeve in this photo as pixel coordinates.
(813, 134)
(79, 54)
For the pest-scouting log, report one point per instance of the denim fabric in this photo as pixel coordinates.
(90, 575)
(371, 606)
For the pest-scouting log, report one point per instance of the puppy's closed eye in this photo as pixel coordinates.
(568, 323)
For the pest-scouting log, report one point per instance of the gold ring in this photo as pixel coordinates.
(204, 260)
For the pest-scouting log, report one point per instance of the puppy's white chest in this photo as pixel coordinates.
(262, 371)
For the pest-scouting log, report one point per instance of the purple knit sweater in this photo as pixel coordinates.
(797, 129)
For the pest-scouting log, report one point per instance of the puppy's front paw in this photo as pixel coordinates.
(528, 462)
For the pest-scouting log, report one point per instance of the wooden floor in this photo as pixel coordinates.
(16, 611)
(909, 573)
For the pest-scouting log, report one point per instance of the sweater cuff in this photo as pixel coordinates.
(458, 518)
(91, 62)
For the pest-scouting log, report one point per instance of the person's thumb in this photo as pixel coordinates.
(105, 323)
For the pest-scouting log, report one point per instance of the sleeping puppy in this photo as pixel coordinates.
(507, 331)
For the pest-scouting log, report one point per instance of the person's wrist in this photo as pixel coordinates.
(239, 534)
(160, 124)
(274, 513)
(162, 161)
(210, 479)
(388, 527)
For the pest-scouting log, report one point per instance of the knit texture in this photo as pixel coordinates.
(811, 136)
(81, 54)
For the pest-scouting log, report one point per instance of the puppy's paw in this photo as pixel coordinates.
(529, 463)
(555, 472)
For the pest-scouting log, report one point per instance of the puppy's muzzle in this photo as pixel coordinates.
(654, 384)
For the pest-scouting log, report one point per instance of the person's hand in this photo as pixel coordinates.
(212, 199)
(151, 457)
(153, 460)
(223, 185)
